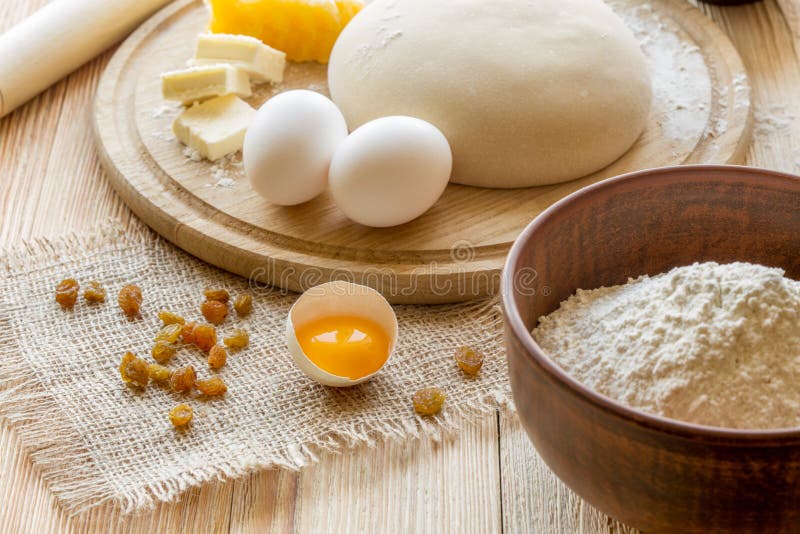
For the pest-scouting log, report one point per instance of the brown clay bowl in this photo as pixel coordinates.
(654, 473)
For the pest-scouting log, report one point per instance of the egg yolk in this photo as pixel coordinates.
(348, 346)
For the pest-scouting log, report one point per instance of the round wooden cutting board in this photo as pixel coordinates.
(701, 114)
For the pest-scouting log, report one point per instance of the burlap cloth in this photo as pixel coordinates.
(95, 440)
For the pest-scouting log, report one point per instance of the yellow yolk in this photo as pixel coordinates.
(348, 346)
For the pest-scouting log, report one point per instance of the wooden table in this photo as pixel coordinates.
(488, 479)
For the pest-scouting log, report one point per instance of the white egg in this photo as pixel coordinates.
(390, 171)
(289, 145)
(337, 299)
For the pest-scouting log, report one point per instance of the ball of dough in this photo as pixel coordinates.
(527, 92)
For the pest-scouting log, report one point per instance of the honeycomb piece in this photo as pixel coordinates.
(130, 300)
(67, 292)
(243, 304)
(469, 360)
(181, 415)
(214, 311)
(237, 340)
(94, 292)
(212, 387)
(182, 380)
(163, 351)
(217, 357)
(205, 336)
(428, 401)
(220, 295)
(169, 333)
(304, 30)
(158, 373)
(187, 333)
(167, 318)
(133, 370)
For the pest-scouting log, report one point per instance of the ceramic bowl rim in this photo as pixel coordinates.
(744, 437)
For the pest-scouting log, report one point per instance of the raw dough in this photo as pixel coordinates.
(527, 92)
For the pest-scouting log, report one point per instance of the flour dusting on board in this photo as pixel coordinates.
(681, 83)
(227, 172)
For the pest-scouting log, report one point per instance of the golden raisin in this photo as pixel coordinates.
(158, 373)
(243, 304)
(182, 380)
(212, 387)
(214, 311)
(428, 401)
(133, 370)
(205, 336)
(469, 360)
(130, 300)
(238, 339)
(163, 351)
(169, 333)
(181, 415)
(167, 317)
(217, 294)
(187, 333)
(217, 357)
(95, 292)
(67, 292)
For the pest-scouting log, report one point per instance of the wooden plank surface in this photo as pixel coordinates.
(487, 479)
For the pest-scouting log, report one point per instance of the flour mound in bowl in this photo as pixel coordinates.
(713, 344)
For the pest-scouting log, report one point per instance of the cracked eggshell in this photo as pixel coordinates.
(331, 299)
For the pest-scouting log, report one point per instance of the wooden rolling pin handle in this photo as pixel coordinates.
(58, 39)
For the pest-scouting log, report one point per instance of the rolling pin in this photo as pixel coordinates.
(58, 39)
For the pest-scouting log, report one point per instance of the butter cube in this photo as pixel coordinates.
(216, 127)
(263, 63)
(203, 82)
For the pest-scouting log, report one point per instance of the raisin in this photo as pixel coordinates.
(95, 292)
(237, 340)
(167, 317)
(212, 387)
(205, 336)
(133, 370)
(130, 300)
(182, 380)
(217, 294)
(67, 292)
(243, 304)
(428, 401)
(214, 311)
(158, 373)
(169, 333)
(181, 415)
(217, 357)
(469, 360)
(163, 351)
(187, 333)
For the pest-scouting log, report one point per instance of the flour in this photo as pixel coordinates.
(712, 344)
(682, 89)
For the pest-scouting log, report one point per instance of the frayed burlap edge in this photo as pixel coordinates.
(66, 464)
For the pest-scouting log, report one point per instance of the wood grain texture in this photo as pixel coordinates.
(51, 182)
(304, 245)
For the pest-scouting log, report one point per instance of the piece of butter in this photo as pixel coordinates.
(216, 127)
(203, 82)
(263, 63)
